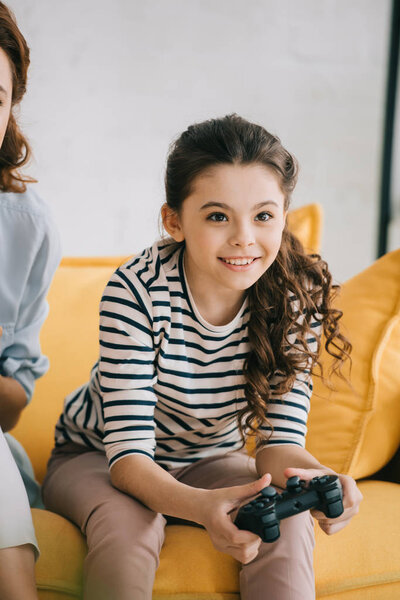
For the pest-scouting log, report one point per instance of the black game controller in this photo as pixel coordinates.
(263, 514)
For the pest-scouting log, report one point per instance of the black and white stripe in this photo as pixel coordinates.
(168, 385)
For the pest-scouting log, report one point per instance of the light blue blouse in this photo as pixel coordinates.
(29, 255)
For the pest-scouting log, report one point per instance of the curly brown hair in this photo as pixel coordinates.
(293, 274)
(15, 150)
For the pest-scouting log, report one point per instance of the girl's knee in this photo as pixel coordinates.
(297, 532)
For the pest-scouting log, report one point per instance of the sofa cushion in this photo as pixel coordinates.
(363, 558)
(69, 337)
(306, 223)
(362, 561)
(59, 570)
(356, 430)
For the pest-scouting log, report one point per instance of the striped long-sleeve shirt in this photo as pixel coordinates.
(168, 385)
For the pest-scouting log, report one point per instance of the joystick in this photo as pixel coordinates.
(263, 514)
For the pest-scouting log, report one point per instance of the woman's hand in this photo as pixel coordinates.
(219, 510)
(351, 498)
(12, 400)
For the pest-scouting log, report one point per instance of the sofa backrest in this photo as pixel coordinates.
(356, 430)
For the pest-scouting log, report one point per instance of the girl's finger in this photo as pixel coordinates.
(351, 494)
(330, 528)
(305, 474)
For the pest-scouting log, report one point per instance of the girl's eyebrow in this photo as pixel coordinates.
(227, 207)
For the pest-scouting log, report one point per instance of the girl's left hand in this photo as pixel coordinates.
(351, 498)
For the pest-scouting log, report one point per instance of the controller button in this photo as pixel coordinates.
(271, 533)
(335, 509)
(268, 518)
(293, 481)
(331, 494)
(259, 505)
(247, 508)
(293, 485)
(269, 492)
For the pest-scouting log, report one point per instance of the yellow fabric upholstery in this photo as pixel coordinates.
(365, 554)
(306, 223)
(69, 338)
(357, 431)
(59, 570)
(362, 560)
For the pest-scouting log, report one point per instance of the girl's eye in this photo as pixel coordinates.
(263, 216)
(216, 217)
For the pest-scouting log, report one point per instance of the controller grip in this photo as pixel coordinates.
(334, 509)
(331, 497)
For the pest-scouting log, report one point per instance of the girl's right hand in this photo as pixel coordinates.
(219, 511)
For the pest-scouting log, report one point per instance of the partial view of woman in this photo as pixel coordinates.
(29, 255)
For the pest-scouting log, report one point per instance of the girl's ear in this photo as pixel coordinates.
(171, 222)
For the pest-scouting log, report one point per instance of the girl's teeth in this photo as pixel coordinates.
(238, 262)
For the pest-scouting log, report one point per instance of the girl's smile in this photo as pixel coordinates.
(239, 263)
(232, 223)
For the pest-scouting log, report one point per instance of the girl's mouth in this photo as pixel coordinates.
(238, 264)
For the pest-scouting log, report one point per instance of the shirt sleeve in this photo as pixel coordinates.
(22, 359)
(288, 413)
(126, 368)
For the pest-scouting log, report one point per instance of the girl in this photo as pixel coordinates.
(204, 338)
(29, 255)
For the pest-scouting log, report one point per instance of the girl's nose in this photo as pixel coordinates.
(242, 237)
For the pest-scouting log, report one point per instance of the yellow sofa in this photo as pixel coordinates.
(355, 431)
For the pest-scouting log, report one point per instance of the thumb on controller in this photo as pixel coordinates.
(248, 490)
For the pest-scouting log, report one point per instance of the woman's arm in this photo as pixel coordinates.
(27, 270)
(12, 401)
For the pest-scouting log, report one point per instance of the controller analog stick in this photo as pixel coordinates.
(269, 493)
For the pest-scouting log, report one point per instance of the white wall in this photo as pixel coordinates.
(112, 83)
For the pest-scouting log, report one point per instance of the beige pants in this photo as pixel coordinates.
(125, 538)
(16, 527)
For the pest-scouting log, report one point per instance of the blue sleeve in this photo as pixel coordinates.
(21, 357)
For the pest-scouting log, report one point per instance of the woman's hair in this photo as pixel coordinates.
(15, 150)
(295, 284)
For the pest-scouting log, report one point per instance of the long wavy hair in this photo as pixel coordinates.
(273, 314)
(15, 150)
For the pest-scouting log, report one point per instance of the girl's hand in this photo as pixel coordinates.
(351, 498)
(219, 510)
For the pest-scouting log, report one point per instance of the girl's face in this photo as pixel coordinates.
(232, 225)
(5, 93)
